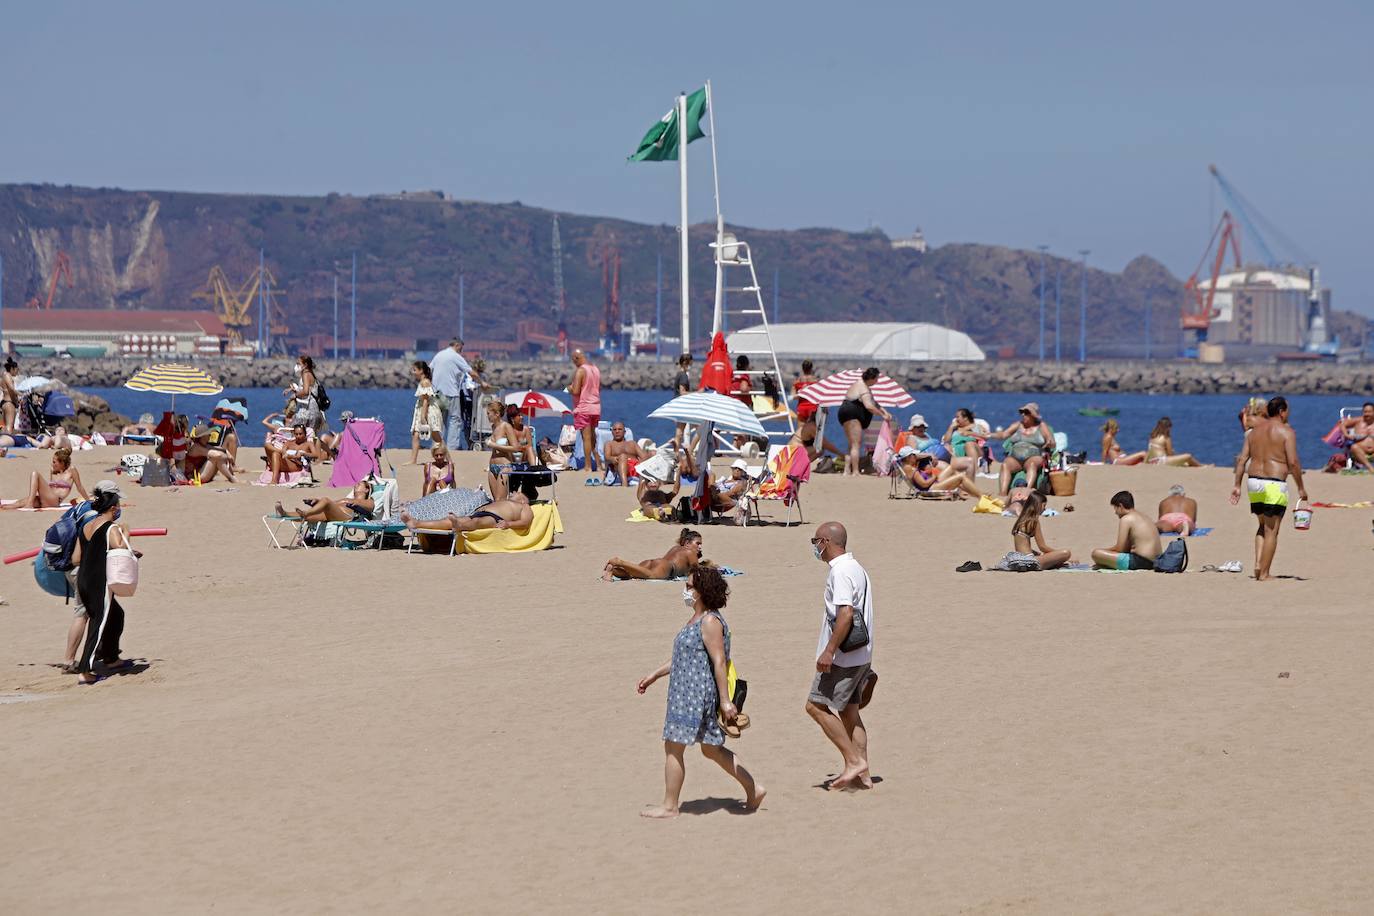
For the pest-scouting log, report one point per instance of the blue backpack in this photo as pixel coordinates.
(1174, 559)
(60, 540)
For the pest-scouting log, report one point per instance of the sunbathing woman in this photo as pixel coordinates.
(1025, 446)
(680, 559)
(356, 508)
(1027, 529)
(47, 494)
(1161, 449)
(920, 470)
(290, 457)
(439, 471)
(1111, 451)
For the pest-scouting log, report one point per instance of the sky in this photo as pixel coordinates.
(1073, 125)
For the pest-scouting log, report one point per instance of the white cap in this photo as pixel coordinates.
(917, 420)
(740, 463)
(108, 486)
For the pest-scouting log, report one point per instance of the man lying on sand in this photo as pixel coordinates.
(1137, 540)
(681, 558)
(1177, 512)
(511, 512)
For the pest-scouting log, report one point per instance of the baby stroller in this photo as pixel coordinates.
(44, 412)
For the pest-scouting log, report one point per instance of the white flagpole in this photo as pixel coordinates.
(717, 321)
(682, 233)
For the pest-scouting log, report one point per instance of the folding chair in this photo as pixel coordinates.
(771, 486)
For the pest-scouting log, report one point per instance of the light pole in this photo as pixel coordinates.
(336, 314)
(1043, 249)
(353, 318)
(1083, 309)
(461, 296)
(1058, 301)
(1149, 304)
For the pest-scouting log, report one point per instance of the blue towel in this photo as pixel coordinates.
(1200, 532)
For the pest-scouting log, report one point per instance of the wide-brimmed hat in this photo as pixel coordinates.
(200, 429)
(740, 464)
(916, 420)
(1032, 408)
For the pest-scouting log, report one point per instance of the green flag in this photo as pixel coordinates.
(661, 141)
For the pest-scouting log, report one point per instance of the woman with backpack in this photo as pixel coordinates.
(306, 392)
(94, 541)
(697, 695)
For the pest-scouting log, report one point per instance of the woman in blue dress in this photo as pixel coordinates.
(696, 692)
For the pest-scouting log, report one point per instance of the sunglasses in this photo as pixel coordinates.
(815, 541)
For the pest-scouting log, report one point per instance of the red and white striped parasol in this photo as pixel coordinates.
(830, 391)
(537, 404)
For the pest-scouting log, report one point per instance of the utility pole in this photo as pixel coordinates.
(1043, 249)
(3, 348)
(353, 319)
(336, 316)
(1058, 301)
(1083, 309)
(262, 299)
(461, 291)
(775, 295)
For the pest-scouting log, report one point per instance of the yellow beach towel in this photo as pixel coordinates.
(546, 524)
(988, 505)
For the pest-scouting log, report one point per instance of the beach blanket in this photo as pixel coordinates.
(1365, 504)
(461, 501)
(547, 523)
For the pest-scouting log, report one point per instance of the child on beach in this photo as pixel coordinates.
(1027, 529)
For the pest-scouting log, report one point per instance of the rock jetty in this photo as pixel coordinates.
(1298, 377)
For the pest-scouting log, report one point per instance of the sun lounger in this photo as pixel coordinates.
(370, 532)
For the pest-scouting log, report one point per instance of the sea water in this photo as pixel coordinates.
(1205, 425)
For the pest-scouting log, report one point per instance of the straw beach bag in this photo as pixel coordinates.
(121, 568)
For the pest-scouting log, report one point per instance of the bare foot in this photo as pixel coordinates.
(453, 519)
(755, 801)
(659, 812)
(606, 574)
(408, 519)
(851, 778)
(281, 510)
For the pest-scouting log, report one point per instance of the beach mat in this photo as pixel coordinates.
(725, 571)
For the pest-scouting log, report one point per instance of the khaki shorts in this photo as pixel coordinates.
(838, 687)
(76, 596)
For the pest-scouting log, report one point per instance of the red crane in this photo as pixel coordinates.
(1198, 310)
(62, 268)
(610, 282)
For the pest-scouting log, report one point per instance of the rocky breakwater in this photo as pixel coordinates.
(1315, 377)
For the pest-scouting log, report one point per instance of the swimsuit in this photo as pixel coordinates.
(854, 409)
(1267, 496)
(1177, 520)
(1023, 446)
(1129, 561)
(60, 485)
(482, 513)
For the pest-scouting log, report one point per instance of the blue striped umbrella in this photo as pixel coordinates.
(709, 407)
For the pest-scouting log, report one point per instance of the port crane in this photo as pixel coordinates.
(62, 270)
(1198, 307)
(234, 305)
(610, 282)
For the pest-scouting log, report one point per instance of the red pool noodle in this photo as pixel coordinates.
(135, 532)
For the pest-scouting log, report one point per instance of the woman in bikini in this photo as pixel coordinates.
(439, 473)
(965, 442)
(1161, 450)
(1111, 451)
(921, 471)
(9, 396)
(856, 413)
(1026, 529)
(511, 443)
(357, 508)
(680, 559)
(47, 494)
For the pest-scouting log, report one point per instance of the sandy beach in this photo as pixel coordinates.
(333, 731)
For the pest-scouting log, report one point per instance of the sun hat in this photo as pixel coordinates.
(740, 464)
(916, 420)
(200, 429)
(905, 451)
(1032, 408)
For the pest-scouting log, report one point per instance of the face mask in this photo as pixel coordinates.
(689, 598)
(118, 513)
(816, 549)
(297, 369)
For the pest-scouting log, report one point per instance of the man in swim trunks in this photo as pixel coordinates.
(681, 558)
(1177, 512)
(586, 391)
(1270, 455)
(1359, 432)
(622, 455)
(1137, 541)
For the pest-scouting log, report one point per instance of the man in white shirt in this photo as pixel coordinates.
(844, 679)
(451, 373)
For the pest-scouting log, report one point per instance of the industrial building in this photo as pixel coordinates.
(1264, 307)
(42, 332)
(857, 340)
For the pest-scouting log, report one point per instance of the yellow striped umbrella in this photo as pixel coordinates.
(174, 379)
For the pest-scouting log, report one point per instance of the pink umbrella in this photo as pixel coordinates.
(830, 391)
(537, 404)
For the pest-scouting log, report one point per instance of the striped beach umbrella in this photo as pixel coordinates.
(830, 391)
(709, 407)
(174, 379)
(537, 404)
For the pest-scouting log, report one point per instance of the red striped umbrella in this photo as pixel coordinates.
(537, 404)
(830, 391)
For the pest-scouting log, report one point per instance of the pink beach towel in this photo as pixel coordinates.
(359, 444)
(883, 451)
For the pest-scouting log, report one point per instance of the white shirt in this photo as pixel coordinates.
(449, 370)
(848, 584)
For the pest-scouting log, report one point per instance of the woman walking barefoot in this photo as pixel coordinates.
(696, 691)
(855, 413)
(426, 421)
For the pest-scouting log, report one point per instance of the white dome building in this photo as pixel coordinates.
(859, 341)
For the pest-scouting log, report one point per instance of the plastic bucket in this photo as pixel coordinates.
(1302, 517)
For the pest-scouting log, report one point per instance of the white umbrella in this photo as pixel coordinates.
(29, 384)
(709, 407)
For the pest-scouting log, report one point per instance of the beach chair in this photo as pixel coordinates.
(788, 468)
(372, 534)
